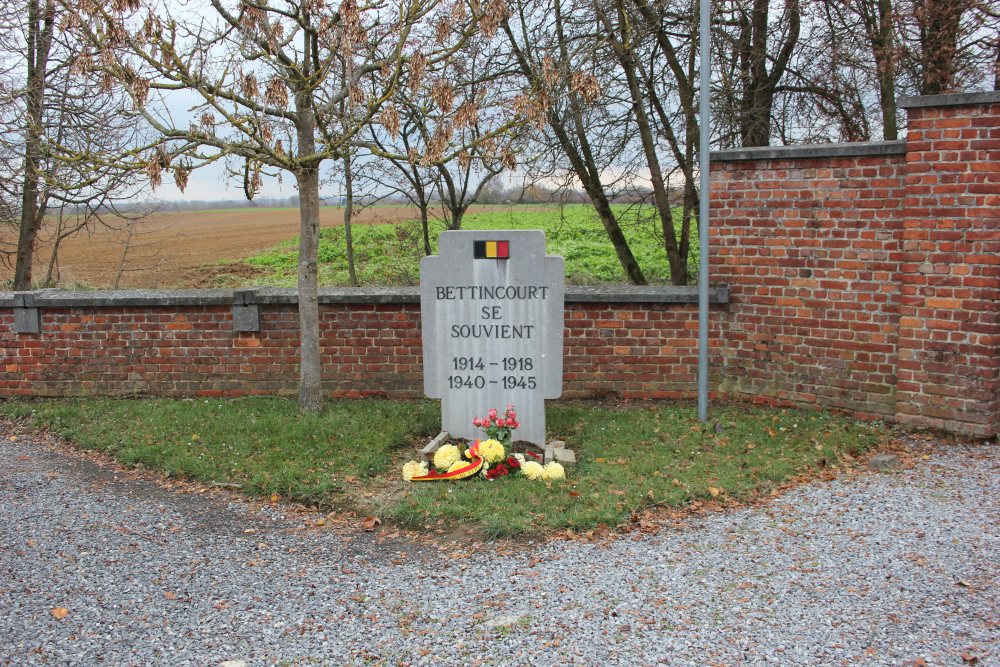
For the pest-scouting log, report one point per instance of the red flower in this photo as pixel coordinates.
(501, 470)
(475, 421)
(513, 463)
(501, 423)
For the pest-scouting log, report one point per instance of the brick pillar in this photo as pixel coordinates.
(949, 326)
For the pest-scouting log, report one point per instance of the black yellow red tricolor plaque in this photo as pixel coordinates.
(491, 249)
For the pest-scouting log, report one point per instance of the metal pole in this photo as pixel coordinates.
(705, 67)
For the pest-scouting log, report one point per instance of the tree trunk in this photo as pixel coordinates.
(424, 221)
(940, 25)
(348, 212)
(310, 385)
(38, 47)
(885, 63)
(757, 98)
(585, 168)
(678, 264)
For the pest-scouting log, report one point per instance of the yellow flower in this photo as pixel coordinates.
(532, 470)
(553, 470)
(445, 456)
(491, 450)
(414, 469)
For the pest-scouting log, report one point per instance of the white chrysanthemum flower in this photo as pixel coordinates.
(553, 470)
(445, 456)
(491, 450)
(414, 469)
(532, 470)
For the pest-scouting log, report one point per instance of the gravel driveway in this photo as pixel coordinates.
(874, 569)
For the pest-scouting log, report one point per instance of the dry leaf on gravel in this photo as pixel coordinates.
(370, 523)
(60, 613)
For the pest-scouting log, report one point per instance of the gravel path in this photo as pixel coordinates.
(875, 569)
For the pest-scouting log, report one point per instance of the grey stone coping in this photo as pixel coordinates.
(55, 298)
(643, 294)
(949, 100)
(807, 151)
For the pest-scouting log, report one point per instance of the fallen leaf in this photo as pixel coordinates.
(963, 583)
(600, 460)
(321, 522)
(60, 613)
(275, 498)
(370, 523)
(713, 491)
(574, 494)
(170, 595)
(32, 543)
(969, 659)
(351, 480)
(250, 531)
(676, 482)
(919, 662)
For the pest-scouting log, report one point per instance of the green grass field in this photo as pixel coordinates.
(349, 456)
(390, 254)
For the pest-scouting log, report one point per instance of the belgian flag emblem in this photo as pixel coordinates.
(491, 250)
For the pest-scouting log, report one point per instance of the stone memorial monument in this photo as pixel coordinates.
(491, 305)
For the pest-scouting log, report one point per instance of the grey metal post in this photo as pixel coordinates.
(705, 68)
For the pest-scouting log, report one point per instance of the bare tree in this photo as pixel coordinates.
(613, 88)
(558, 49)
(56, 130)
(443, 147)
(272, 89)
(754, 46)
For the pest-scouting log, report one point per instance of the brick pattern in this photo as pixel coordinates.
(810, 248)
(611, 350)
(367, 351)
(949, 328)
(634, 350)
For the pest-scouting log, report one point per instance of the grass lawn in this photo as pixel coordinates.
(390, 254)
(350, 455)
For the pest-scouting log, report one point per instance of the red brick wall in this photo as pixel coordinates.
(611, 350)
(867, 277)
(810, 248)
(634, 350)
(949, 327)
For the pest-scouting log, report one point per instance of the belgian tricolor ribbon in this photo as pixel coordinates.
(491, 249)
(474, 466)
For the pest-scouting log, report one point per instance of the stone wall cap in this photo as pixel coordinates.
(643, 294)
(56, 298)
(809, 151)
(949, 100)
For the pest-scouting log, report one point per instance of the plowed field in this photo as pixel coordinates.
(180, 249)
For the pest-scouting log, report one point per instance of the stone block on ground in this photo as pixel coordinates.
(427, 453)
